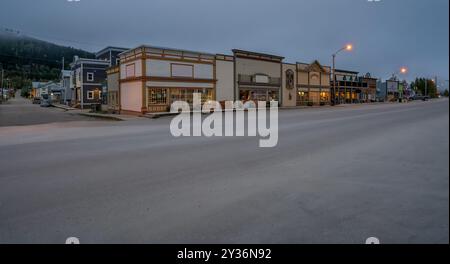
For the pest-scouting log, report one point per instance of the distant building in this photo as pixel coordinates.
(370, 94)
(65, 82)
(89, 77)
(351, 88)
(54, 90)
(35, 89)
(110, 54)
(113, 76)
(388, 90)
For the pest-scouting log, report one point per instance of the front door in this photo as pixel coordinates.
(97, 95)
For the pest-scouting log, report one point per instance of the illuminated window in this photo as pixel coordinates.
(157, 96)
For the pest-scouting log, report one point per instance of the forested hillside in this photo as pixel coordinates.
(25, 59)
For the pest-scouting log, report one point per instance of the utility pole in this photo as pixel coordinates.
(426, 87)
(62, 81)
(1, 84)
(436, 84)
(334, 80)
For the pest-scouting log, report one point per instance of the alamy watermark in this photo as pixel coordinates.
(234, 120)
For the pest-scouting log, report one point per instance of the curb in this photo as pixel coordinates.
(158, 115)
(101, 116)
(64, 107)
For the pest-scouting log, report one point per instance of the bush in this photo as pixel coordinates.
(25, 93)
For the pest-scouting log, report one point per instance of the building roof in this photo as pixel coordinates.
(65, 73)
(246, 52)
(52, 86)
(37, 84)
(166, 48)
(309, 66)
(110, 48)
(85, 60)
(347, 71)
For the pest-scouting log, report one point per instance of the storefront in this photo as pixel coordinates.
(160, 99)
(371, 91)
(351, 89)
(258, 76)
(152, 78)
(313, 84)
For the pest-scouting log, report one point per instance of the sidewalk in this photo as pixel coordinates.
(87, 112)
(65, 107)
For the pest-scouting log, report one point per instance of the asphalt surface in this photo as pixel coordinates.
(20, 111)
(338, 175)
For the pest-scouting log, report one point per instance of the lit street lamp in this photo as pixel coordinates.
(426, 85)
(348, 47)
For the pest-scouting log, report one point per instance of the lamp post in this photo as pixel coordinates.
(1, 83)
(348, 47)
(434, 80)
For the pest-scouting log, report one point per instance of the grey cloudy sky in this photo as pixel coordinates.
(386, 34)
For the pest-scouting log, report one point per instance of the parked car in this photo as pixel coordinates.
(421, 97)
(45, 100)
(36, 100)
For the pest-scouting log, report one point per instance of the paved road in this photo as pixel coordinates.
(20, 111)
(338, 175)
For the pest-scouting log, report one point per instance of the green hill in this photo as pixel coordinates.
(27, 59)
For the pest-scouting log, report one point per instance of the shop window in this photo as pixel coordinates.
(324, 96)
(253, 95)
(302, 97)
(157, 96)
(273, 96)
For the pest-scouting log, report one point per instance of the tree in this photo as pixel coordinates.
(446, 93)
(431, 89)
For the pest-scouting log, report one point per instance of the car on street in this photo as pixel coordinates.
(420, 97)
(36, 100)
(45, 100)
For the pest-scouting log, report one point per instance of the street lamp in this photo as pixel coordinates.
(426, 85)
(348, 47)
(402, 70)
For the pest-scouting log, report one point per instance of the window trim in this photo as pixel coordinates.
(133, 72)
(88, 78)
(90, 93)
(181, 64)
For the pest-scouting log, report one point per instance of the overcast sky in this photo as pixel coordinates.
(387, 35)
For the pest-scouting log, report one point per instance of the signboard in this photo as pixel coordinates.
(392, 86)
(261, 79)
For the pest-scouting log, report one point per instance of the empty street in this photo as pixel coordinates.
(338, 175)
